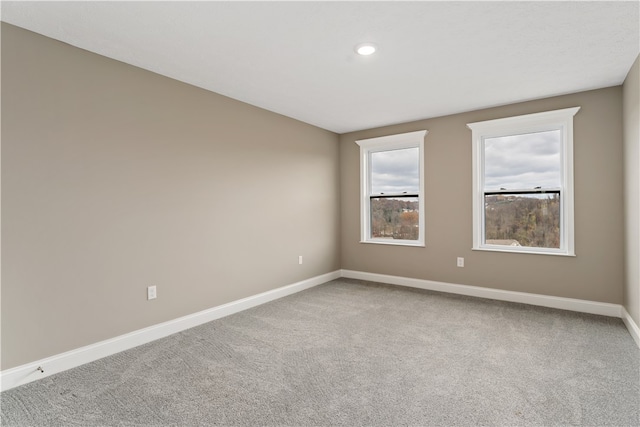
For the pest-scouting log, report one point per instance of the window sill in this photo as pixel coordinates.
(395, 243)
(531, 251)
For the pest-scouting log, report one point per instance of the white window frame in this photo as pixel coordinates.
(539, 122)
(388, 143)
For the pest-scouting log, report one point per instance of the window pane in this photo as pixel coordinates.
(394, 218)
(523, 161)
(523, 220)
(395, 171)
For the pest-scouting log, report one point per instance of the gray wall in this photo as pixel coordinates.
(631, 120)
(596, 273)
(115, 178)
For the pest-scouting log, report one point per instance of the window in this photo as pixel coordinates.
(392, 189)
(523, 183)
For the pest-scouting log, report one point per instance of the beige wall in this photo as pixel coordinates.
(631, 120)
(115, 178)
(596, 273)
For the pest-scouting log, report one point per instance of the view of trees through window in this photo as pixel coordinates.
(523, 220)
(394, 218)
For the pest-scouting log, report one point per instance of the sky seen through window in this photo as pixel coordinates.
(522, 162)
(395, 171)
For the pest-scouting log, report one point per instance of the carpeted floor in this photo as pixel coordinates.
(357, 354)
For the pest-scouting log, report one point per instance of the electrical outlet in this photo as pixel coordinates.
(151, 292)
(460, 262)
(300, 260)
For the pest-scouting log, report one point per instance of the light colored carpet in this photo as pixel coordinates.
(358, 354)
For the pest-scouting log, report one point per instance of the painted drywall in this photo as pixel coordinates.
(115, 178)
(595, 274)
(631, 122)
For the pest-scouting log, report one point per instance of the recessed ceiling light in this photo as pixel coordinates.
(365, 49)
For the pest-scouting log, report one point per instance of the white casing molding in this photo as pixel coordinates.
(583, 306)
(561, 120)
(389, 143)
(634, 330)
(29, 372)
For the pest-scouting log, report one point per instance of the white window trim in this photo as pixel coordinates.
(385, 143)
(530, 123)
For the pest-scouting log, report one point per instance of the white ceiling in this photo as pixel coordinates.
(298, 59)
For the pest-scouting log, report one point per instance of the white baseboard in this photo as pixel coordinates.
(29, 372)
(24, 374)
(571, 304)
(583, 306)
(631, 326)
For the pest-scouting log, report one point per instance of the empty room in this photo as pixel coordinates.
(320, 213)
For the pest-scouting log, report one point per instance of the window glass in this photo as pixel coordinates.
(395, 171)
(523, 161)
(395, 218)
(523, 220)
(529, 161)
